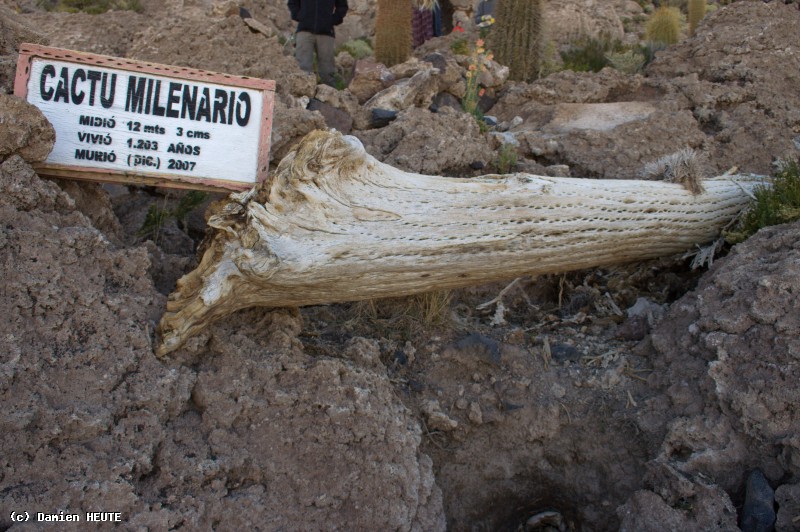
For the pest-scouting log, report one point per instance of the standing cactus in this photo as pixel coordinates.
(517, 38)
(393, 31)
(697, 10)
(664, 26)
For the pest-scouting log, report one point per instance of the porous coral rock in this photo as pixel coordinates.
(24, 130)
(429, 143)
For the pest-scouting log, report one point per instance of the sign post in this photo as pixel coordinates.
(124, 121)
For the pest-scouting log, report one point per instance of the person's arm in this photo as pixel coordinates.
(294, 9)
(339, 11)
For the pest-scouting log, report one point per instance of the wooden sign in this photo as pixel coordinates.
(125, 121)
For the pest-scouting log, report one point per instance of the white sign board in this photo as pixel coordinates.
(126, 121)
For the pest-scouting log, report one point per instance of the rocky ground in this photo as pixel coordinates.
(643, 397)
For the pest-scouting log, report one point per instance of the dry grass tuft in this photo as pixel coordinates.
(404, 317)
(685, 166)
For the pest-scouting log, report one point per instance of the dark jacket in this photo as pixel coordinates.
(318, 16)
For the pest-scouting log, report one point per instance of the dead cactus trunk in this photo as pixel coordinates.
(334, 224)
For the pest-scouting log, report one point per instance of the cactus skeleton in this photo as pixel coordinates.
(334, 224)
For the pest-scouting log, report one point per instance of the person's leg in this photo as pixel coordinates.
(304, 50)
(325, 61)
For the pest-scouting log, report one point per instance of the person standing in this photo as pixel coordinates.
(315, 22)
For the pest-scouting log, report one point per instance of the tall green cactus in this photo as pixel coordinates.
(697, 10)
(517, 39)
(664, 26)
(393, 31)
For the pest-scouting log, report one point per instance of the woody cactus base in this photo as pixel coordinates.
(334, 224)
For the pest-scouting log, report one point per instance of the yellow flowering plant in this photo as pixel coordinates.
(479, 59)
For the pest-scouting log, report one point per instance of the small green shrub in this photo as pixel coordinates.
(358, 48)
(93, 7)
(634, 23)
(157, 216)
(153, 222)
(629, 61)
(339, 82)
(589, 55)
(506, 159)
(188, 203)
(649, 50)
(773, 205)
(460, 46)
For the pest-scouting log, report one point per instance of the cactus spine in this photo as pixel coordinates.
(517, 39)
(393, 31)
(697, 10)
(664, 26)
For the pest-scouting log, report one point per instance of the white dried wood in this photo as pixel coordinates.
(334, 224)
